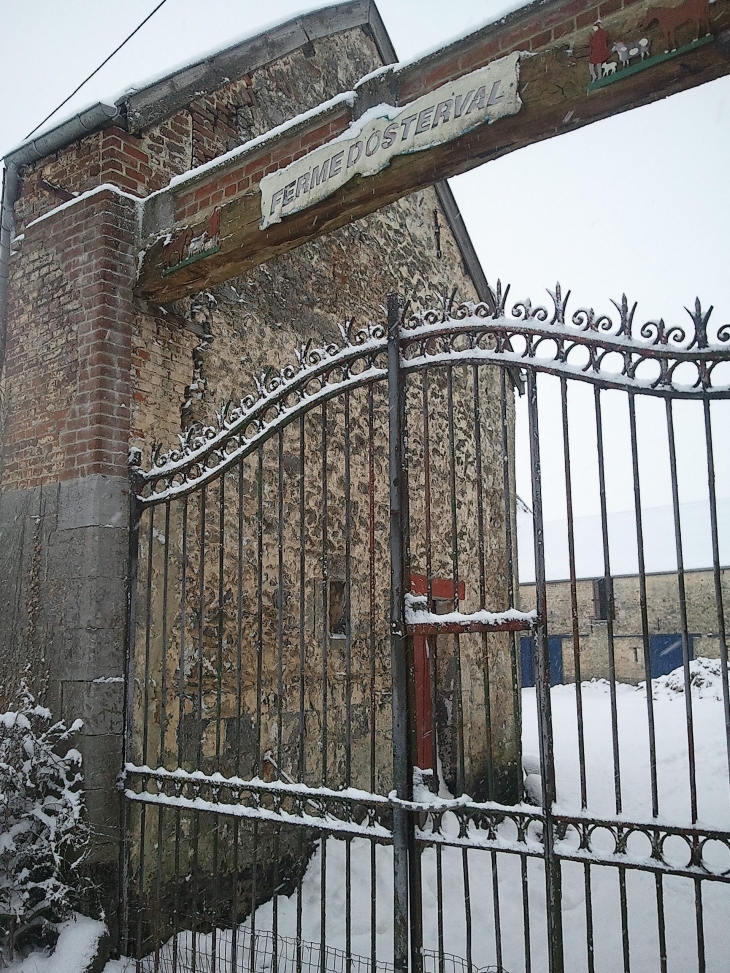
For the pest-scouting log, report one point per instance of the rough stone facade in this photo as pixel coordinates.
(91, 371)
(663, 619)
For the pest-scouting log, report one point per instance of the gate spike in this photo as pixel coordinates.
(560, 304)
(627, 317)
(700, 322)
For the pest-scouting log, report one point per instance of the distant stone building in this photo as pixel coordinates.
(663, 605)
(665, 627)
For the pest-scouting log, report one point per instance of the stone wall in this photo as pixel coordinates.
(663, 612)
(260, 320)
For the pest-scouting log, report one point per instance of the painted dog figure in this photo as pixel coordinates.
(628, 51)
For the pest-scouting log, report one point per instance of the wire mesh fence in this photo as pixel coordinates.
(264, 953)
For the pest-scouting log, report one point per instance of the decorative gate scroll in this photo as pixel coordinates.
(284, 562)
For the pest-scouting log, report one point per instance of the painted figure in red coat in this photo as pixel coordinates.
(599, 51)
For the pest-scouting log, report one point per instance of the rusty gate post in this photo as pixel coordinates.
(542, 692)
(125, 845)
(402, 773)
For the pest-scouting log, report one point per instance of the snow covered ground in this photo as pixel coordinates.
(674, 806)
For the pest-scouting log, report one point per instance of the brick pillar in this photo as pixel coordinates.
(64, 497)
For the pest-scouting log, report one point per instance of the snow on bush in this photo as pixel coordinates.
(43, 832)
(705, 681)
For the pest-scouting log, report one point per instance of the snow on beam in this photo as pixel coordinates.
(545, 70)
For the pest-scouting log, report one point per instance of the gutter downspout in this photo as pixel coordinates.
(10, 193)
(83, 123)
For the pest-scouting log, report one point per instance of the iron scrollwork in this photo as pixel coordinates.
(655, 359)
(204, 452)
(692, 851)
(660, 360)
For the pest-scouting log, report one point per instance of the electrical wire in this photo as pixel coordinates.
(96, 70)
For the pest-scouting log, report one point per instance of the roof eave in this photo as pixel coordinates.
(83, 123)
(137, 110)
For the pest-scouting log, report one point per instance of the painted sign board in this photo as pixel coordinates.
(385, 131)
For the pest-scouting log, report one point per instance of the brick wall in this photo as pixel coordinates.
(530, 30)
(136, 164)
(67, 377)
(143, 164)
(38, 392)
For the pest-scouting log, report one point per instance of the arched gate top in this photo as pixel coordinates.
(611, 352)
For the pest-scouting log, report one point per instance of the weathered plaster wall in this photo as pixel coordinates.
(90, 372)
(259, 321)
(243, 327)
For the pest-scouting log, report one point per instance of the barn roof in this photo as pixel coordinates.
(660, 552)
(156, 98)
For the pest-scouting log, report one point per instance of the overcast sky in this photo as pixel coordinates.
(640, 202)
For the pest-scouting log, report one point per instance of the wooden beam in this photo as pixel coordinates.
(205, 229)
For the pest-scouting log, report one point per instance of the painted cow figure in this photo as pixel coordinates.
(671, 18)
(626, 52)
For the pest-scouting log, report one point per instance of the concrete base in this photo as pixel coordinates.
(63, 576)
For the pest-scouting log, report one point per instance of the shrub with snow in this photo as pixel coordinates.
(705, 680)
(43, 832)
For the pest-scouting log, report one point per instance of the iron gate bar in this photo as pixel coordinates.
(239, 713)
(402, 774)
(464, 337)
(348, 673)
(338, 812)
(188, 465)
(181, 695)
(684, 628)
(716, 575)
(325, 661)
(432, 648)
(125, 849)
(483, 594)
(573, 591)
(643, 605)
(511, 548)
(371, 648)
(608, 582)
(467, 627)
(553, 874)
(685, 664)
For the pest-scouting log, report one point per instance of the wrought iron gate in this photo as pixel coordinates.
(325, 724)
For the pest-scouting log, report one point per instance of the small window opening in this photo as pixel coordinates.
(437, 232)
(337, 607)
(602, 598)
